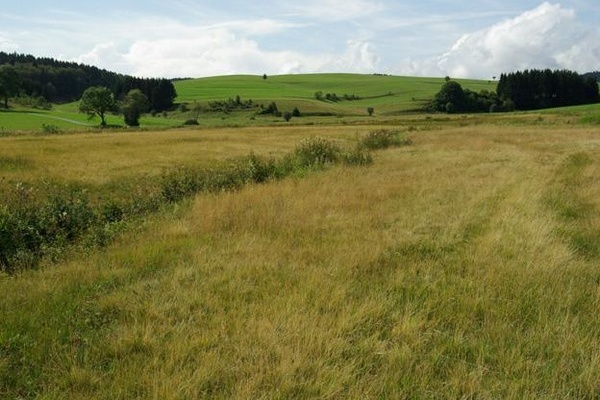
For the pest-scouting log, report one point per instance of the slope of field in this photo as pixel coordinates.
(462, 266)
(387, 94)
(65, 117)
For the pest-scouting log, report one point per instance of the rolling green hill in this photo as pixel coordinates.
(387, 94)
(390, 96)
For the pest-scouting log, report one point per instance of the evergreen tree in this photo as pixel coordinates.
(536, 89)
(9, 83)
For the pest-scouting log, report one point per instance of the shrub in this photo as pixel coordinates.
(359, 155)
(316, 151)
(50, 129)
(31, 229)
(179, 183)
(256, 169)
(191, 122)
(384, 138)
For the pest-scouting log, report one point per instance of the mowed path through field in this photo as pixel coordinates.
(72, 121)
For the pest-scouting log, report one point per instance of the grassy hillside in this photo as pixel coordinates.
(387, 94)
(393, 98)
(462, 266)
(64, 117)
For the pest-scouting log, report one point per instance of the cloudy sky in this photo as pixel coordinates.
(195, 38)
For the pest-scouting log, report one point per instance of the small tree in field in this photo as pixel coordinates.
(97, 100)
(134, 105)
(370, 110)
(287, 116)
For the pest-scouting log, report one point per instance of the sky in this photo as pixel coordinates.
(197, 38)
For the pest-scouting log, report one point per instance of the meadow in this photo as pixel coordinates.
(461, 264)
(387, 95)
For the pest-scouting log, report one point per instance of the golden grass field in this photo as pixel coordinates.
(463, 266)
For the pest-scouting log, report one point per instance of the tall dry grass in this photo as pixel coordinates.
(447, 269)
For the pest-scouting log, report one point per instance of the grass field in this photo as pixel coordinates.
(462, 266)
(388, 95)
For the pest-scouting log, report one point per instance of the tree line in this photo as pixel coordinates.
(538, 89)
(61, 81)
(522, 90)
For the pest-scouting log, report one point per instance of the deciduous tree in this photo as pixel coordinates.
(134, 105)
(97, 100)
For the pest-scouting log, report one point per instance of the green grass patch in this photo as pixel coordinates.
(14, 164)
(387, 94)
(577, 209)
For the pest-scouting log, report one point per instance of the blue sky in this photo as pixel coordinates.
(194, 38)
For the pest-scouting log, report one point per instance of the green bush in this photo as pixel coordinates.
(29, 230)
(384, 138)
(316, 151)
(50, 129)
(359, 155)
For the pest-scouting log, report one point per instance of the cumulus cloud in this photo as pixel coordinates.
(223, 52)
(548, 36)
(104, 55)
(217, 52)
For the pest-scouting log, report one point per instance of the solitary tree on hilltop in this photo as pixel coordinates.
(97, 100)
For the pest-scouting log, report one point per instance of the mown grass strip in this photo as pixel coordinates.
(578, 214)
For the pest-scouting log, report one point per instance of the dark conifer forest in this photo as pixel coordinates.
(538, 89)
(60, 81)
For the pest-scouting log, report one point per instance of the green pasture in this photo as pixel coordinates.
(66, 118)
(391, 97)
(387, 94)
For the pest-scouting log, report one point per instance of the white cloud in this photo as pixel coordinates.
(222, 52)
(545, 37)
(104, 55)
(335, 10)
